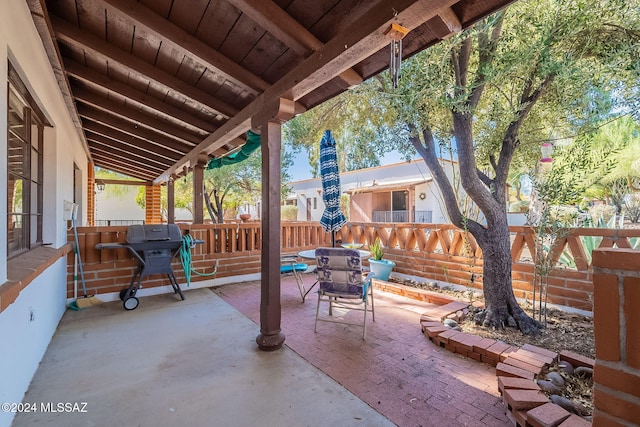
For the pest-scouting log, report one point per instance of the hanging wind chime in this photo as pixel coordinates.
(396, 32)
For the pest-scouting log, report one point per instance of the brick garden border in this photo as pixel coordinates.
(516, 367)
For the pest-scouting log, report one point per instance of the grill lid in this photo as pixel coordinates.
(154, 236)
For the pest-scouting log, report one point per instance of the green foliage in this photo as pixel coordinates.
(289, 213)
(601, 215)
(228, 187)
(632, 208)
(377, 250)
(111, 190)
(345, 205)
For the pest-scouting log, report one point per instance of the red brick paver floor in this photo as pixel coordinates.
(397, 371)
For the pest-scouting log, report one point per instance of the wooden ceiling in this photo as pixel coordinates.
(156, 86)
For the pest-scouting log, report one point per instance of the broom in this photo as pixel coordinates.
(85, 301)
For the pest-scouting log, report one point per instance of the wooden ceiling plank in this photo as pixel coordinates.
(123, 170)
(123, 166)
(132, 128)
(75, 36)
(126, 148)
(85, 74)
(127, 113)
(285, 28)
(124, 159)
(276, 21)
(364, 37)
(188, 44)
(108, 156)
(361, 39)
(130, 140)
(124, 151)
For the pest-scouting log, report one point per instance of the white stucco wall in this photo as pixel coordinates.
(28, 324)
(396, 174)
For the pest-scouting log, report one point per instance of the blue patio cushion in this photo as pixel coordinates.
(339, 271)
(288, 268)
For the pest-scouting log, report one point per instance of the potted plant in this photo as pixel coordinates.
(380, 267)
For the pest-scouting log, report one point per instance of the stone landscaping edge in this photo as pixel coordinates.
(516, 368)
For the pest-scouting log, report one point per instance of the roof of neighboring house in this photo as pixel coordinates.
(389, 186)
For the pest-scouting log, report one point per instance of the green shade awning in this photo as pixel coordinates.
(252, 144)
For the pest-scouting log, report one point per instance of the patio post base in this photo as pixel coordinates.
(270, 342)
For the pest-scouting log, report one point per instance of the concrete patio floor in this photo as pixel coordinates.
(195, 363)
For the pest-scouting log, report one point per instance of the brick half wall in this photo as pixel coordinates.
(616, 283)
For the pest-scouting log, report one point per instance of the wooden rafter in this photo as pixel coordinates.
(131, 128)
(363, 38)
(187, 45)
(88, 42)
(281, 25)
(136, 116)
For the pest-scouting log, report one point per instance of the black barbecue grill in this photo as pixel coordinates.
(154, 245)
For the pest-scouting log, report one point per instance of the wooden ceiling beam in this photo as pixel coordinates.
(363, 38)
(130, 140)
(188, 45)
(133, 115)
(87, 41)
(125, 182)
(123, 157)
(93, 78)
(451, 21)
(155, 138)
(122, 166)
(126, 148)
(282, 26)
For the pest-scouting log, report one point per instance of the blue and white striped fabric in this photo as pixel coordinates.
(332, 218)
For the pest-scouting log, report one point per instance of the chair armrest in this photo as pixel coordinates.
(366, 282)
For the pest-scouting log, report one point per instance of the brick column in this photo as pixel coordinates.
(153, 208)
(616, 313)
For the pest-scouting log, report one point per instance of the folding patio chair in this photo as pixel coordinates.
(341, 285)
(289, 265)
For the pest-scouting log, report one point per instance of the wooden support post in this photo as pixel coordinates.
(171, 202)
(270, 121)
(198, 193)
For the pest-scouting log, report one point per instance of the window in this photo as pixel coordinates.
(315, 203)
(24, 169)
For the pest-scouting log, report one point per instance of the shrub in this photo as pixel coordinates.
(631, 207)
(566, 216)
(289, 213)
(601, 214)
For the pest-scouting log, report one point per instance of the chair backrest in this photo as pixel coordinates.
(339, 270)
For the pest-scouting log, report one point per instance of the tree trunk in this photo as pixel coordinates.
(501, 307)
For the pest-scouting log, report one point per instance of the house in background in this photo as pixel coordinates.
(400, 192)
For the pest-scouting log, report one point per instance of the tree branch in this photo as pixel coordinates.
(428, 152)
(487, 47)
(484, 178)
(510, 140)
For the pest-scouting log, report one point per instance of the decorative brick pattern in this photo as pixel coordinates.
(547, 415)
(513, 371)
(576, 359)
(524, 399)
(617, 333)
(575, 421)
(526, 405)
(516, 383)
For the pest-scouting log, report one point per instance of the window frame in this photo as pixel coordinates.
(32, 147)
